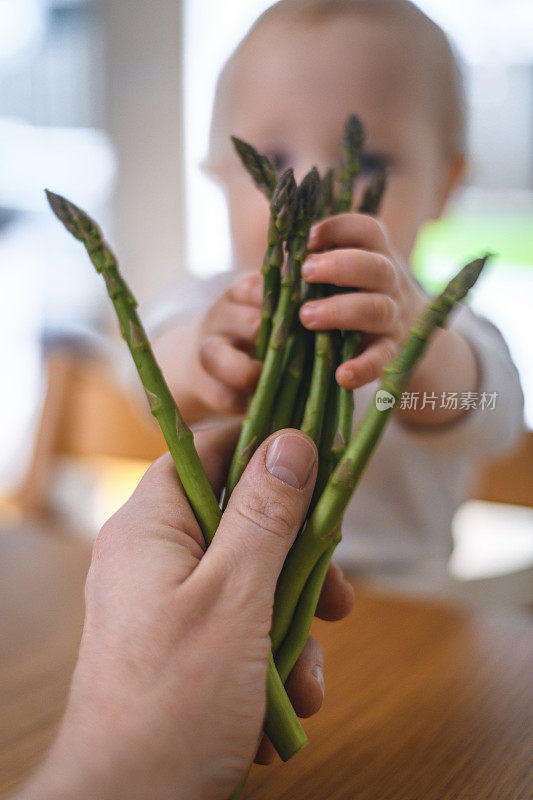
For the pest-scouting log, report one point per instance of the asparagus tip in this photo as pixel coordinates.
(353, 133)
(473, 270)
(461, 284)
(260, 167)
(325, 204)
(239, 144)
(76, 221)
(284, 202)
(285, 189)
(374, 192)
(63, 210)
(308, 194)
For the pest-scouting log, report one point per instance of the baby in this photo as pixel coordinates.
(288, 89)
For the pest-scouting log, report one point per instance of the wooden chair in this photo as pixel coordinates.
(85, 413)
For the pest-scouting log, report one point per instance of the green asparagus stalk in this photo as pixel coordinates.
(351, 342)
(370, 204)
(281, 725)
(291, 383)
(178, 435)
(373, 195)
(326, 462)
(282, 211)
(299, 406)
(352, 143)
(323, 366)
(260, 409)
(297, 635)
(320, 531)
(326, 203)
(284, 729)
(259, 167)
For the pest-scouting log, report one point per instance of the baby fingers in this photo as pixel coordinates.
(348, 230)
(350, 267)
(365, 311)
(248, 290)
(368, 366)
(229, 365)
(239, 323)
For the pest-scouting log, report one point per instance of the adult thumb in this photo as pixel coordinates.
(265, 512)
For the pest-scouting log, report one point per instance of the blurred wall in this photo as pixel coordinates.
(500, 145)
(143, 49)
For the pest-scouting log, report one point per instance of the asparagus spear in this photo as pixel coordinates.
(260, 409)
(178, 435)
(282, 724)
(352, 143)
(282, 211)
(260, 167)
(294, 642)
(320, 531)
(326, 202)
(323, 366)
(291, 405)
(326, 462)
(352, 339)
(351, 342)
(292, 379)
(373, 195)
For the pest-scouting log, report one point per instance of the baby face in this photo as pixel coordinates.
(294, 92)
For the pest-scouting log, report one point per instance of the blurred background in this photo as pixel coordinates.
(109, 103)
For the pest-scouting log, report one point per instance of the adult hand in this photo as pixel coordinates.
(168, 695)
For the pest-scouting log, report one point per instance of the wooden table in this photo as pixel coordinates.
(423, 701)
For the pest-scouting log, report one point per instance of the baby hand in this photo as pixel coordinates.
(352, 250)
(225, 365)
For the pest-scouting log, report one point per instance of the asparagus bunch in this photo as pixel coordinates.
(255, 424)
(296, 388)
(308, 397)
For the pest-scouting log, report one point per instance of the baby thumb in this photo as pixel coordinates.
(265, 512)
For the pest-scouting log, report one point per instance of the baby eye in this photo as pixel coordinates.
(281, 160)
(371, 163)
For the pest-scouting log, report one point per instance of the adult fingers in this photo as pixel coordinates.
(305, 684)
(159, 497)
(266, 753)
(337, 595)
(159, 505)
(305, 687)
(263, 516)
